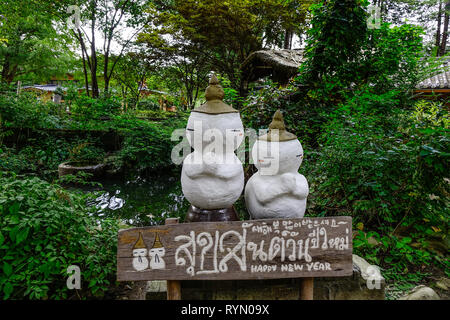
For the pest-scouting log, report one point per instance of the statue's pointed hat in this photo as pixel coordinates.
(157, 243)
(214, 99)
(139, 243)
(277, 130)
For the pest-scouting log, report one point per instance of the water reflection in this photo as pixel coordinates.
(108, 201)
(141, 201)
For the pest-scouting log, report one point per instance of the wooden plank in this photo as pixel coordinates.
(255, 249)
(307, 289)
(173, 286)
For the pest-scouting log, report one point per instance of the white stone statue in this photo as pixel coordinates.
(212, 176)
(277, 190)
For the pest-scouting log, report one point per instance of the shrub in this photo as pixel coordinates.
(25, 111)
(150, 103)
(147, 145)
(388, 170)
(43, 230)
(85, 107)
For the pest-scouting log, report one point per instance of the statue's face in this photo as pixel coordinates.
(218, 133)
(273, 158)
(139, 252)
(157, 252)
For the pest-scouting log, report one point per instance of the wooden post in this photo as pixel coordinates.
(307, 289)
(173, 286)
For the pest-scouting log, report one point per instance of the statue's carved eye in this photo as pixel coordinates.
(299, 155)
(236, 130)
(189, 129)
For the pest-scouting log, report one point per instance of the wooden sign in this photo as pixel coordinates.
(254, 249)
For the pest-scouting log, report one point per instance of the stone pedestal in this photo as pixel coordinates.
(195, 214)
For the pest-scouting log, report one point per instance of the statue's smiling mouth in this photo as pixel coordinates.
(266, 163)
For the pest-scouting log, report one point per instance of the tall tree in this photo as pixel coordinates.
(230, 30)
(107, 18)
(338, 31)
(132, 72)
(32, 44)
(186, 62)
(443, 44)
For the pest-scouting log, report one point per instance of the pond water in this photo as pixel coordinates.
(141, 201)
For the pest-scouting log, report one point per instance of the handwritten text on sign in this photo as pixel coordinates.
(255, 249)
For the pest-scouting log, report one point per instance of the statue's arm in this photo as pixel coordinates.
(301, 189)
(289, 183)
(230, 171)
(193, 170)
(265, 193)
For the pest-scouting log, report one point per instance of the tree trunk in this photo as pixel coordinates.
(445, 31)
(438, 32)
(288, 34)
(86, 81)
(95, 92)
(8, 71)
(5, 71)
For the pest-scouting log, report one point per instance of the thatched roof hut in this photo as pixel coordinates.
(438, 81)
(437, 86)
(279, 65)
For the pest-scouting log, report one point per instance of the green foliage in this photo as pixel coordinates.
(344, 56)
(148, 104)
(25, 111)
(147, 145)
(370, 152)
(85, 107)
(86, 152)
(226, 31)
(301, 115)
(11, 161)
(338, 30)
(42, 154)
(45, 229)
(391, 58)
(388, 170)
(154, 114)
(32, 48)
(79, 179)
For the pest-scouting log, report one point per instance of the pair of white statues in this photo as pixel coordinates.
(213, 177)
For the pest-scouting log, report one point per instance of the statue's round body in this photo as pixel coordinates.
(277, 190)
(212, 176)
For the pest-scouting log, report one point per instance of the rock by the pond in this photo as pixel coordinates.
(443, 283)
(66, 168)
(157, 286)
(421, 293)
(367, 283)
